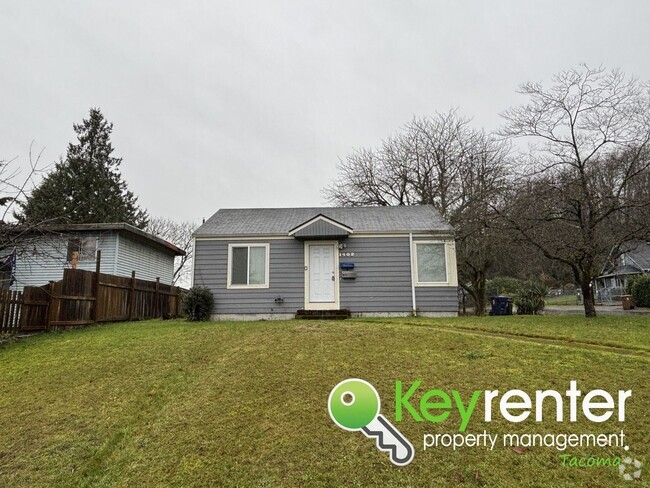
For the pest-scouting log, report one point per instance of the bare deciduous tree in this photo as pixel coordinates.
(480, 241)
(584, 185)
(179, 234)
(440, 161)
(17, 240)
(14, 188)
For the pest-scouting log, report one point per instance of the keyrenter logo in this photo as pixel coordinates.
(354, 405)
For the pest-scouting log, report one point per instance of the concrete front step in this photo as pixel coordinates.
(339, 314)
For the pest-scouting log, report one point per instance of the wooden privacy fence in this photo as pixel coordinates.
(86, 297)
(10, 311)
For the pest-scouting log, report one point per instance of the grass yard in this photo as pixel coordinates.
(244, 404)
(630, 332)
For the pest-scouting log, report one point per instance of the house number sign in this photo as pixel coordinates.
(346, 254)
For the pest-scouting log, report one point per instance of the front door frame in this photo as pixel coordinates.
(336, 305)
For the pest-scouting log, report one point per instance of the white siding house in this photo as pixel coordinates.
(41, 256)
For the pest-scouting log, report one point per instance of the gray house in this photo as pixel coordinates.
(41, 255)
(377, 261)
(633, 260)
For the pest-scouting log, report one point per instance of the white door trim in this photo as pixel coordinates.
(322, 306)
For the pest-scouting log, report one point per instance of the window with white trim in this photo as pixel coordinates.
(85, 247)
(248, 265)
(431, 263)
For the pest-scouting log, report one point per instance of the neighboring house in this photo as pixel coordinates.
(43, 253)
(271, 263)
(633, 260)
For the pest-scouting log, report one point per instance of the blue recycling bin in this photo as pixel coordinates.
(501, 305)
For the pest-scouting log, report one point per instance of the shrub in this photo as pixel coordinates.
(529, 298)
(640, 290)
(502, 286)
(197, 303)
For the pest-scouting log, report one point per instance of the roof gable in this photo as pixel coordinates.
(639, 254)
(320, 226)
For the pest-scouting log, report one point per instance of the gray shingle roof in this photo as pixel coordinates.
(639, 251)
(279, 221)
(100, 227)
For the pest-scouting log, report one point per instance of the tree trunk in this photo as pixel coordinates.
(587, 297)
(479, 298)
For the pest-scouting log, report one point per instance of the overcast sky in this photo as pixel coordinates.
(251, 104)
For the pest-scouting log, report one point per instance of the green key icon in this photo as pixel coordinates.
(354, 404)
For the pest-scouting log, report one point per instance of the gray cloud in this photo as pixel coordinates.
(243, 104)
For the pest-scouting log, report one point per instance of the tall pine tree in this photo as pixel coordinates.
(87, 185)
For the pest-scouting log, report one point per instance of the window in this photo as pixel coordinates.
(85, 246)
(248, 265)
(7, 269)
(431, 263)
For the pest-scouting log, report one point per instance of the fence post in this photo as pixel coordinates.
(98, 263)
(2, 301)
(50, 306)
(23, 311)
(6, 316)
(14, 310)
(157, 299)
(132, 296)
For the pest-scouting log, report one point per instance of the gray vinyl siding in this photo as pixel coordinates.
(383, 279)
(148, 263)
(437, 298)
(383, 276)
(286, 278)
(45, 258)
(382, 284)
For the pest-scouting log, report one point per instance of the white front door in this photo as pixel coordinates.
(322, 279)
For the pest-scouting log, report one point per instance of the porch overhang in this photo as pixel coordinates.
(320, 227)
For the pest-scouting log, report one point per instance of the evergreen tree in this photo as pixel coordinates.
(87, 185)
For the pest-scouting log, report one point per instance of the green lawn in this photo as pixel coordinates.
(244, 404)
(632, 332)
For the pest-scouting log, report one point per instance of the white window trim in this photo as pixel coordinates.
(450, 271)
(267, 247)
(82, 240)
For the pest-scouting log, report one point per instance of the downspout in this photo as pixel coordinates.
(415, 313)
(117, 252)
(193, 256)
